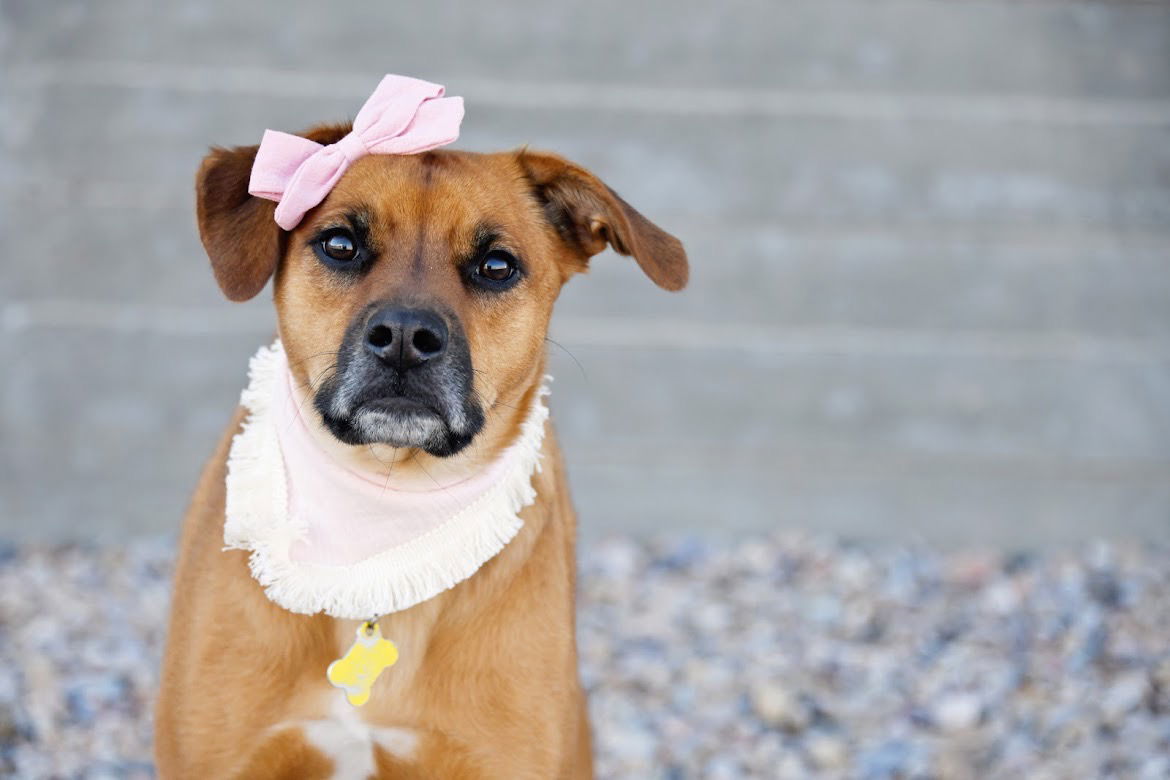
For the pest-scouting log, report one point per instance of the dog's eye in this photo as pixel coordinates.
(497, 266)
(339, 246)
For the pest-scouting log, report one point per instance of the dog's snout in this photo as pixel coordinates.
(404, 338)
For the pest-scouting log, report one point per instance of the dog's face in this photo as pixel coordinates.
(415, 299)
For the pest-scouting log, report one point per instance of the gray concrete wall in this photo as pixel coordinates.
(931, 250)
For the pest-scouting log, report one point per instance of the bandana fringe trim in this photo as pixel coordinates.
(389, 581)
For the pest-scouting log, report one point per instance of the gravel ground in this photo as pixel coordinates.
(791, 656)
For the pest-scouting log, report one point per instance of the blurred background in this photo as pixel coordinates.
(931, 289)
(929, 309)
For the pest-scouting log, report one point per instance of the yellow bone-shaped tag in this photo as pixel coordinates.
(356, 671)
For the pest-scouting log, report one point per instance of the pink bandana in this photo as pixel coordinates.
(326, 538)
(403, 116)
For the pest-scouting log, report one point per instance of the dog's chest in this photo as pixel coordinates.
(349, 736)
(349, 741)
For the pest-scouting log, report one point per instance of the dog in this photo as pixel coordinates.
(460, 256)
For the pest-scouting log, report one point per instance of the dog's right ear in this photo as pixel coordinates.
(238, 230)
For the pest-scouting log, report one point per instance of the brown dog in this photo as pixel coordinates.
(473, 248)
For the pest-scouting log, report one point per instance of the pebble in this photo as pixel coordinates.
(958, 712)
(826, 751)
(784, 656)
(789, 767)
(1123, 696)
(779, 707)
(1160, 686)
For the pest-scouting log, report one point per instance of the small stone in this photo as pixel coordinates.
(1002, 597)
(1160, 686)
(886, 760)
(722, 768)
(780, 708)
(757, 557)
(972, 570)
(1018, 562)
(683, 554)
(826, 751)
(957, 712)
(711, 618)
(1155, 768)
(790, 768)
(1123, 697)
(44, 704)
(1105, 589)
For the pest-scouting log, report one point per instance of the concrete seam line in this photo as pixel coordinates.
(630, 333)
(148, 196)
(828, 340)
(23, 316)
(572, 96)
(885, 460)
(142, 195)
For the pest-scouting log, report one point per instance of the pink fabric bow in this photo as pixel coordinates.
(403, 116)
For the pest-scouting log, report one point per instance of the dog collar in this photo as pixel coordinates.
(325, 538)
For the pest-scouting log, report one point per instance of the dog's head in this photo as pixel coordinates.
(416, 297)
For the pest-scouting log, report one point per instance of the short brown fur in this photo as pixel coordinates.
(487, 679)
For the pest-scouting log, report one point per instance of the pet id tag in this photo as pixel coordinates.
(356, 671)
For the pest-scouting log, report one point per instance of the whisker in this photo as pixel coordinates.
(314, 385)
(424, 470)
(497, 402)
(563, 348)
(389, 471)
(336, 353)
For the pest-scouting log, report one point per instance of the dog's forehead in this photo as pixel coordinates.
(439, 184)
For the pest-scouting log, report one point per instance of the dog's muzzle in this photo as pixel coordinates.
(403, 378)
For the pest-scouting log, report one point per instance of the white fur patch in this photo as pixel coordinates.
(399, 429)
(349, 741)
(352, 751)
(400, 743)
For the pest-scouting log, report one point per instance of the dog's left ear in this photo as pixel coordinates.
(588, 215)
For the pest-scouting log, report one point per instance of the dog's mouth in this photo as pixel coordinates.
(433, 409)
(441, 425)
(429, 406)
(400, 422)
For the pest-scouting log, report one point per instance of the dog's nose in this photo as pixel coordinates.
(404, 338)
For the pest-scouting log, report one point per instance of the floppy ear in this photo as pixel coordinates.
(588, 215)
(238, 230)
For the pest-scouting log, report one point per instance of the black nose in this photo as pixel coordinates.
(404, 338)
